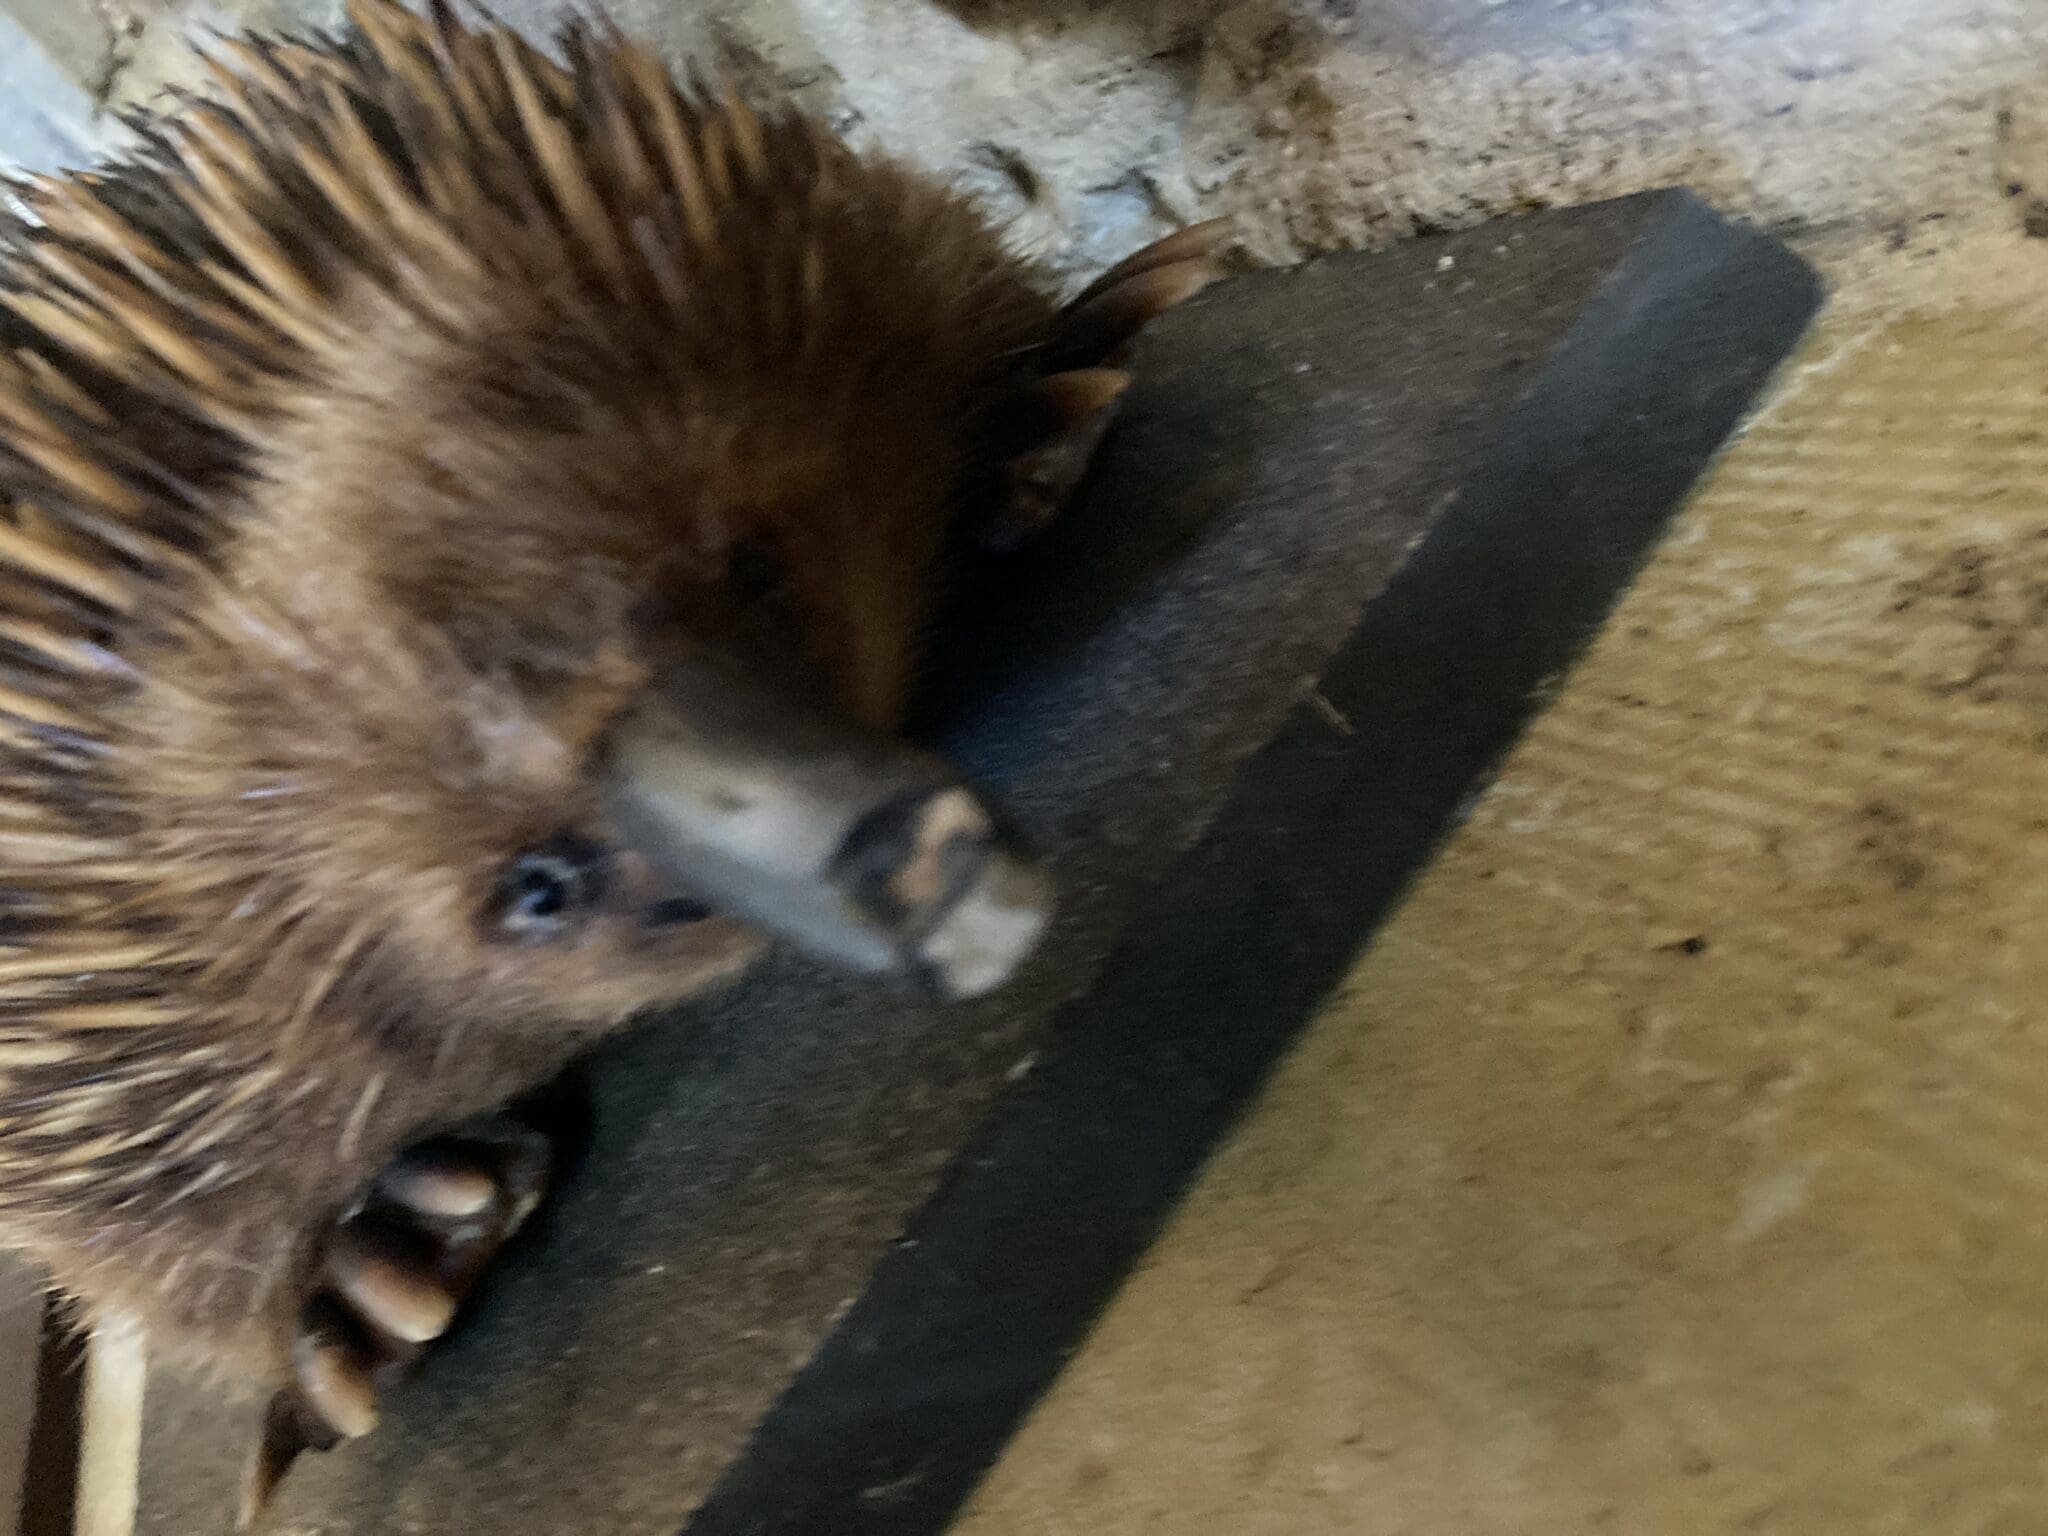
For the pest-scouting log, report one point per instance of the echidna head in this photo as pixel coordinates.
(586, 659)
(575, 463)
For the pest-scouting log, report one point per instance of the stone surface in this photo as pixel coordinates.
(46, 118)
(2022, 168)
(1094, 124)
(49, 49)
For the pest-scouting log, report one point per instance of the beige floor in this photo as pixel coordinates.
(1675, 1161)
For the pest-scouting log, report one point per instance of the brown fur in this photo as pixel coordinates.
(358, 444)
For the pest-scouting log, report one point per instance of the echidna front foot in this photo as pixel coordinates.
(1052, 425)
(394, 1271)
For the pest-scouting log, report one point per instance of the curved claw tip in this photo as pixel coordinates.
(283, 1441)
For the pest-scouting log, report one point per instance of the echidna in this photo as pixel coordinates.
(467, 522)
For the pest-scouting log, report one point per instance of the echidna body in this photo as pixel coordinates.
(370, 447)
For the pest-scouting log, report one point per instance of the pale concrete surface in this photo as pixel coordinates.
(52, 53)
(46, 119)
(1673, 1162)
(1095, 124)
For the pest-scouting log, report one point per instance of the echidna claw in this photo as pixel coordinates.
(1196, 242)
(287, 1435)
(1101, 328)
(1049, 428)
(1077, 407)
(393, 1273)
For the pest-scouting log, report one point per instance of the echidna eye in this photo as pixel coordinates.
(546, 890)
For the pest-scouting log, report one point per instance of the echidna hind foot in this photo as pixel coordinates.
(393, 1272)
(1046, 434)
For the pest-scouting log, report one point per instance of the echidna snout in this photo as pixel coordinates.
(864, 852)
